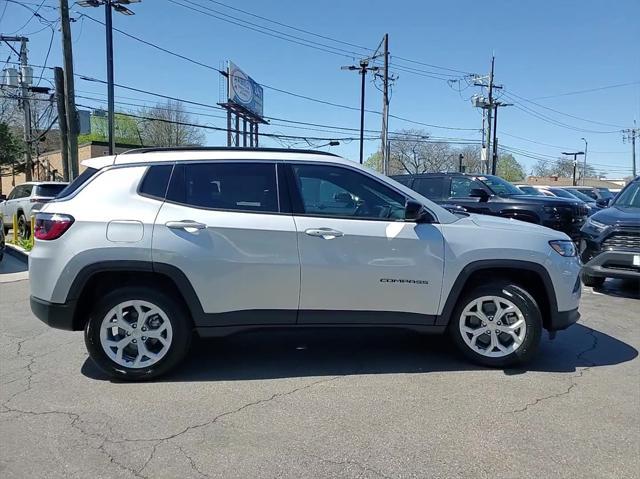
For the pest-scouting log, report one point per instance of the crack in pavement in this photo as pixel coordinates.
(76, 421)
(352, 462)
(192, 462)
(580, 355)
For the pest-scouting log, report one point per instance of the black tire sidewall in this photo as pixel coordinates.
(180, 324)
(530, 310)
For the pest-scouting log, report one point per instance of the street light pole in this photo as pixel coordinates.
(118, 6)
(110, 94)
(575, 163)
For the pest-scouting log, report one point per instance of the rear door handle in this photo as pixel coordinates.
(326, 233)
(187, 225)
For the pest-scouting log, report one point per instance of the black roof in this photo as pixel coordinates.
(223, 148)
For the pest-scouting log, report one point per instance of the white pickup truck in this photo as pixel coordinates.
(24, 200)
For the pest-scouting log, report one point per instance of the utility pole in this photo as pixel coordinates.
(385, 107)
(489, 111)
(69, 91)
(363, 68)
(26, 106)
(460, 166)
(575, 163)
(110, 92)
(62, 121)
(584, 161)
(488, 104)
(630, 135)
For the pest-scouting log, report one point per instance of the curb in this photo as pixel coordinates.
(17, 252)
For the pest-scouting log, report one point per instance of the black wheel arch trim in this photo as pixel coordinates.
(460, 282)
(172, 273)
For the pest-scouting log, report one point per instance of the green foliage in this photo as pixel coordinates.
(374, 161)
(10, 146)
(26, 244)
(126, 130)
(509, 168)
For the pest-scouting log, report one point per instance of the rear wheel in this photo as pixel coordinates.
(592, 281)
(137, 333)
(23, 227)
(497, 325)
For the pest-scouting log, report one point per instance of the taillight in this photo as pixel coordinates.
(50, 226)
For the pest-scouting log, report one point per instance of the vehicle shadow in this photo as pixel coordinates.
(620, 288)
(13, 263)
(328, 352)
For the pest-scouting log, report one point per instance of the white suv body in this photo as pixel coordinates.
(233, 239)
(24, 200)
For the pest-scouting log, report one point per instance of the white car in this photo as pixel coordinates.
(147, 247)
(24, 200)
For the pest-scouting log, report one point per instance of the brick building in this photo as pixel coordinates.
(48, 166)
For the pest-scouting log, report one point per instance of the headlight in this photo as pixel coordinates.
(563, 247)
(596, 225)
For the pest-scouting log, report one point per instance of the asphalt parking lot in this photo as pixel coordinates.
(324, 404)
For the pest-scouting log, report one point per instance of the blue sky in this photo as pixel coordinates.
(542, 48)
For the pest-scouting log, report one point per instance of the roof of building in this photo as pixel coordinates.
(560, 181)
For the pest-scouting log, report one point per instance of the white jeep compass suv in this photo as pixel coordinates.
(147, 247)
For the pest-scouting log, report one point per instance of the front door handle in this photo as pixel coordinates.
(187, 225)
(326, 233)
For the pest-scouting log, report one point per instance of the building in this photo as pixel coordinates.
(561, 181)
(48, 166)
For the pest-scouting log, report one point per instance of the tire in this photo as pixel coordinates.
(120, 361)
(517, 345)
(592, 281)
(23, 226)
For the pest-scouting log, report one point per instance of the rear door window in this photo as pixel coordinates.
(155, 181)
(432, 188)
(232, 186)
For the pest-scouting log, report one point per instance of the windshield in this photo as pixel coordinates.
(499, 186)
(580, 195)
(630, 196)
(530, 190)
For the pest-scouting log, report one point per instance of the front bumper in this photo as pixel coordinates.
(563, 319)
(56, 315)
(614, 264)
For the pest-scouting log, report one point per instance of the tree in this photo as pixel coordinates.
(374, 161)
(562, 167)
(471, 158)
(126, 129)
(411, 152)
(168, 124)
(10, 150)
(509, 168)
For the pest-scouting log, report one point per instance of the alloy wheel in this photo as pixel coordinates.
(136, 334)
(492, 326)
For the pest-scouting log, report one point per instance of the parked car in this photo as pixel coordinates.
(146, 247)
(492, 195)
(591, 205)
(530, 190)
(2, 244)
(24, 200)
(601, 196)
(610, 245)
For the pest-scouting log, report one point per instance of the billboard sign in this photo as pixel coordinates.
(245, 91)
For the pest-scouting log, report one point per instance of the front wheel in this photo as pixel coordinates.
(497, 325)
(137, 333)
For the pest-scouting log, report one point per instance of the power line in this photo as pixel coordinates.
(589, 90)
(510, 93)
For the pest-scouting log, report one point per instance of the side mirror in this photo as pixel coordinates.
(479, 193)
(603, 202)
(415, 211)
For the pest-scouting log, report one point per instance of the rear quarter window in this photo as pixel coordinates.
(77, 183)
(155, 181)
(432, 188)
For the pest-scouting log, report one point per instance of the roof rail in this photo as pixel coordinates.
(222, 148)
